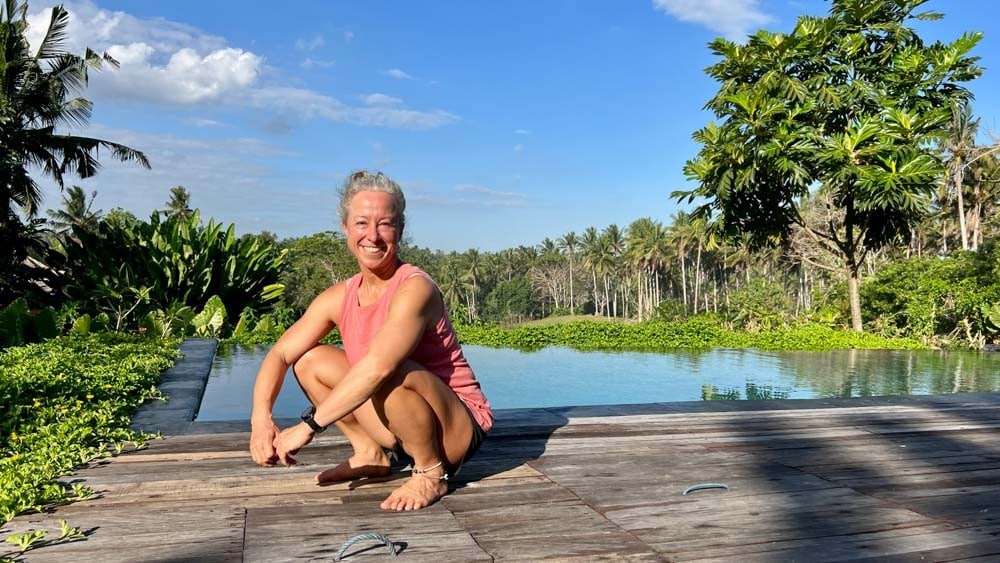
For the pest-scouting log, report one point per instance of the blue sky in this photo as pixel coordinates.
(505, 122)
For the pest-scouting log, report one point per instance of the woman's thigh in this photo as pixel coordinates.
(453, 422)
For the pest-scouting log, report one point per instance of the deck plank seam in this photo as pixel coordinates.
(602, 514)
(243, 540)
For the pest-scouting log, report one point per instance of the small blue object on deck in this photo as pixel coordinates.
(702, 486)
(362, 537)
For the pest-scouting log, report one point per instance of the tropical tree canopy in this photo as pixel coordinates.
(39, 92)
(848, 105)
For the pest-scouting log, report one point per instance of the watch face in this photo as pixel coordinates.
(308, 413)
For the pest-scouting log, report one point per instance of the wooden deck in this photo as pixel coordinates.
(881, 479)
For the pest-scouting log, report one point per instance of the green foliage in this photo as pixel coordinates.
(209, 322)
(671, 310)
(81, 325)
(991, 315)
(924, 297)
(698, 332)
(44, 324)
(33, 539)
(128, 270)
(313, 264)
(760, 305)
(18, 326)
(67, 401)
(851, 103)
(175, 322)
(754, 392)
(14, 323)
(509, 301)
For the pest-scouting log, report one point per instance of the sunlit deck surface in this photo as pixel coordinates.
(881, 479)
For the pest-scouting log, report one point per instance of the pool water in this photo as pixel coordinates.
(557, 377)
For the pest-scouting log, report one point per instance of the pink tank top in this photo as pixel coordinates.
(438, 349)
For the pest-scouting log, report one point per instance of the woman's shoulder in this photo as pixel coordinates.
(332, 296)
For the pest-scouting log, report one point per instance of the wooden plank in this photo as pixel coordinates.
(313, 532)
(895, 548)
(127, 535)
(809, 546)
(557, 529)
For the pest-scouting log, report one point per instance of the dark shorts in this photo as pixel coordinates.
(478, 436)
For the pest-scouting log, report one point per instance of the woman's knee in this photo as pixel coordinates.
(322, 363)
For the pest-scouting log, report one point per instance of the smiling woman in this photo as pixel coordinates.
(401, 380)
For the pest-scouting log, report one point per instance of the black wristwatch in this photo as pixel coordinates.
(307, 417)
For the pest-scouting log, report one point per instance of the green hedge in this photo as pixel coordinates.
(65, 402)
(695, 333)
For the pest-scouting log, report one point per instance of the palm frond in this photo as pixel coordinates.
(52, 45)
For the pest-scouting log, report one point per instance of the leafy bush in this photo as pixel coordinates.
(924, 297)
(698, 332)
(130, 269)
(760, 305)
(65, 402)
(18, 326)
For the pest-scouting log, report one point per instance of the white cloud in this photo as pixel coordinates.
(396, 73)
(202, 122)
(521, 132)
(348, 36)
(95, 27)
(735, 19)
(518, 148)
(310, 63)
(186, 78)
(380, 100)
(309, 44)
(482, 190)
(164, 62)
(309, 104)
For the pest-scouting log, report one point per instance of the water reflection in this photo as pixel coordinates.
(556, 377)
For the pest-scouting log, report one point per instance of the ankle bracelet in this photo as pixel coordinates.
(422, 472)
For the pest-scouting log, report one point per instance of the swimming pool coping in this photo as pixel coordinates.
(185, 383)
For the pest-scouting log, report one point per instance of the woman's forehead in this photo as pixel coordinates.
(366, 202)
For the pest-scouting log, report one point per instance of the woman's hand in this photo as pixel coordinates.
(290, 440)
(262, 436)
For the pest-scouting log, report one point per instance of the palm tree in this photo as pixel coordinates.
(548, 247)
(38, 93)
(77, 212)
(986, 172)
(568, 244)
(647, 251)
(680, 234)
(960, 145)
(590, 243)
(472, 263)
(179, 204)
(616, 246)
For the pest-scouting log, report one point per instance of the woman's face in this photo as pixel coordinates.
(373, 230)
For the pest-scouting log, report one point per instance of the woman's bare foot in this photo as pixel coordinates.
(357, 467)
(420, 491)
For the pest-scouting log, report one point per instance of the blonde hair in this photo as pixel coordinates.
(362, 181)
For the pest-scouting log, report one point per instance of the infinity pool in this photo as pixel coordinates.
(556, 377)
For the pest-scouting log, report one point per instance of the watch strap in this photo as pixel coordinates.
(307, 417)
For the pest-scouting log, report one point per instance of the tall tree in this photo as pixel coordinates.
(38, 93)
(960, 145)
(179, 204)
(77, 212)
(591, 242)
(850, 103)
(568, 243)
